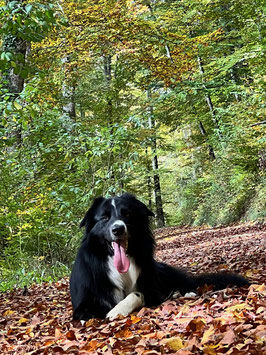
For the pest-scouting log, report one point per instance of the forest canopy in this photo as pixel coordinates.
(163, 99)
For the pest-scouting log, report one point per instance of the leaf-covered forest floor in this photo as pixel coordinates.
(231, 321)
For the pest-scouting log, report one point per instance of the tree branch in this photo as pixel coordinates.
(257, 124)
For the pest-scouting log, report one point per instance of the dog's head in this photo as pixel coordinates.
(113, 223)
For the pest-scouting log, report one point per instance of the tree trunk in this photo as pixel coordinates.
(18, 47)
(155, 166)
(68, 93)
(209, 100)
(207, 96)
(13, 81)
(149, 173)
(108, 78)
(107, 67)
(203, 132)
(234, 78)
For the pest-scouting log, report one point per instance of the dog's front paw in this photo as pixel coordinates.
(190, 294)
(132, 302)
(113, 314)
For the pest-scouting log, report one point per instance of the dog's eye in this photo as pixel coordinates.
(125, 213)
(105, 218)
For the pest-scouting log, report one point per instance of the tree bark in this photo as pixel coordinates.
(203, 132)
(208, 99)
(155, 166)
(149, 173)
(68, 93)
(107, 67)
(18, 47)
(108, 77)
(13, 81)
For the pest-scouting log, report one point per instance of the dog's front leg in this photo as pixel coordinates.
(133, 301)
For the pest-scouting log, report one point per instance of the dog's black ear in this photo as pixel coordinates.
(88, 218)
(147, 210)
(143, 207)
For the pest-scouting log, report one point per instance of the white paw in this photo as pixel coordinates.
(175, 295)
(190, 294)
(132, 302)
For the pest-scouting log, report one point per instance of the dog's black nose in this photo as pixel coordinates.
(118, 229)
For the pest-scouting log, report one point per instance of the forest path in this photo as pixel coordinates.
(238, 248)
(230, 321)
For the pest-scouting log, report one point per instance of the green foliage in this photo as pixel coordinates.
(26, 23)
(17, 271)
(202, 63)
(30, 22)
(256, 210)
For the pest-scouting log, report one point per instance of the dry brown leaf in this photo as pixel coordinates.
(57, 333)
(196, 325)
(207, 335)
(230, 320)
(229, 337)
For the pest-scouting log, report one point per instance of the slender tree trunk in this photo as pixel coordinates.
(155, 167)
(108, 78)
(234, 78)
(227, 28)
(69, 107)
(203, 132)
(18, 47)
(207, 96)
(149, 173)
(13, 80)
(209, 100)
(168, 53)
(107, 67)
(68, 93)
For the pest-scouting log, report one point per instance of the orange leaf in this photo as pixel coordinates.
(135, 319)
(124, 333)
(92, 345)
(49, 342)
(71, 335)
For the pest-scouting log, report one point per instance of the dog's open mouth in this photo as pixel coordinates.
(121, 260)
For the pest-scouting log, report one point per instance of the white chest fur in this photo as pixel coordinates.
(126, 282)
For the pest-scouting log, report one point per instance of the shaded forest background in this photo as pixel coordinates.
(163, 99)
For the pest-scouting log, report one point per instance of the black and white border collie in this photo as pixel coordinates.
(115, 271)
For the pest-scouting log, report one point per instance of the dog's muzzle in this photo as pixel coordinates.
(119, 244)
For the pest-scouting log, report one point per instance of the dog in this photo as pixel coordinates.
(115, 271)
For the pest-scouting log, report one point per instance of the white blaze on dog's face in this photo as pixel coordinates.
(114, 205)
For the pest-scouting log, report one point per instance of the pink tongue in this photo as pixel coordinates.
(121, 261)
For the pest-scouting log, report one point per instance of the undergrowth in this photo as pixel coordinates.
(28, 270)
